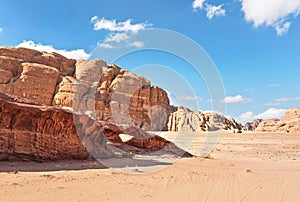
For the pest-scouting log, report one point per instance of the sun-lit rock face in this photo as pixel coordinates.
(53, 108)
(105, 92)
(112, 93)
(32, 74)
(185, 120)
(290, 122)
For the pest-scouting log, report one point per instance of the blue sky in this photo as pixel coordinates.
(255, 44)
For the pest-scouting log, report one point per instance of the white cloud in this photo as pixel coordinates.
(212, 11)
(105, 45)
(198, 4)
(122, 33)
(189, 98)
(74, 54)
(114, 26)
(269, 114)
(282, 28)
(287, 99)
(1, 29)
(118, 37)
(280, 100)
(137, 44)
(275, 13)
(238, 99)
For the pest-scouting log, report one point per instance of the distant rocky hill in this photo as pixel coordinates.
(290, 122)
(253, 125)
(185, 120)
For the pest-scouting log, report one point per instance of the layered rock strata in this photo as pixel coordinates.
(108, 92)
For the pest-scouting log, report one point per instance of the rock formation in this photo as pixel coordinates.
(48, 92)
(22, 71)
(270, 125)
(36, 132)
(253, 125)
(140, 142)
(33, 132)
(106, 92)
(185, 120)
(220, 122)
(290, 122)
(109, 92)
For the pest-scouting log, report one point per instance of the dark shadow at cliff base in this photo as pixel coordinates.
(33, 166)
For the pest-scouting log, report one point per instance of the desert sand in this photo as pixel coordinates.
(241, 167)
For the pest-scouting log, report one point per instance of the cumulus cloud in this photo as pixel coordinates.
(238, 99)
(74, 54)
(198, 4)
(269, 114)
(211, 10)
(114, 26)
(275, 13)
(121, 33)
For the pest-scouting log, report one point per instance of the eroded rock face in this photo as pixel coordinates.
(40, 133)
(253, 125)
(271, 125)
(109, 92)
(220, 122)
(106, 92)
(19, 55)
(32, 132)
(115, 95)
(290, 122)
(32, 74)
(185, 120)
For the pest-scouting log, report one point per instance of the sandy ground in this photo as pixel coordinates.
(242, 167)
